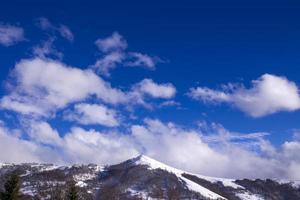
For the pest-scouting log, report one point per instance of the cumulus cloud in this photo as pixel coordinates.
(93, 114)
(42, 132)
(40, 87)
(10, 35)
(21, 150)
(149, 87)
(114, 54)
(269, 94)
(76, 146)
(182, 147)
(115, 42)
(83, 146)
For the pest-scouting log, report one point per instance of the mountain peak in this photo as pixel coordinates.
(154, 164)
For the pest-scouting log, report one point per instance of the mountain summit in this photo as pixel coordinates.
(141, 178)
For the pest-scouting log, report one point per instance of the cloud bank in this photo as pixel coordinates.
(180, 147)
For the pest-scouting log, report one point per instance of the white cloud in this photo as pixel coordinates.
(83, 146)
(181, 148)
(114, 54)
(10, 35)
(155, 90)
(77, 146)
(177, 147)
(46, 49)
(139, 59)
(108, 62)
(21, 105)
(21, 150)
(93, 114)
(40, 87)
(167, 142)
(42, 132)
(170, 103)
(269, 94)
(115, 42)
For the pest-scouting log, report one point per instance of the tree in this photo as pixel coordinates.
(11, 188)
(57, 193)
(72, 192)
(108, 192)
(157, 192)
(173, 193)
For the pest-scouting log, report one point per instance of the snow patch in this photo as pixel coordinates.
(248, 196)
(295, 184)
(153, 164)
(81, 184)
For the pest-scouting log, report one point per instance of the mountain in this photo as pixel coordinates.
(141, 178)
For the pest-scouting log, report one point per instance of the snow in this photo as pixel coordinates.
(248, 196)
(140, 194)
(81, 178)
(202, 190)
(295, 184)
(27, 191)
(4, 165)
(81, 184)
(153, 164)
(226, 182)
(85, 176)
(45, 167)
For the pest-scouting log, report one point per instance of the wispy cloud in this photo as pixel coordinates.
(114, 49)
(47, 49)
(137, 59)
(10, 35)
(63, 30)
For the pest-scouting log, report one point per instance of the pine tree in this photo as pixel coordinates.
(72, 193)
(11, 188)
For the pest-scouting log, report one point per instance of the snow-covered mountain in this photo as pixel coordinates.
(141, 178)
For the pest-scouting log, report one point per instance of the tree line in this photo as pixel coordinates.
(11, 190)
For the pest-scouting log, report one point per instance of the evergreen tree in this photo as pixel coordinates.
(11, 188)
(72, 192)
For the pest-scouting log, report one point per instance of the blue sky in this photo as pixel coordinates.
(190, 67)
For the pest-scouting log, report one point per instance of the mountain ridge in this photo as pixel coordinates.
(144, 178)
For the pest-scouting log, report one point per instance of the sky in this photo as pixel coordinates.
(210, 87)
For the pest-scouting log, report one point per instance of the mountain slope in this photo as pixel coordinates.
(141, 178)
